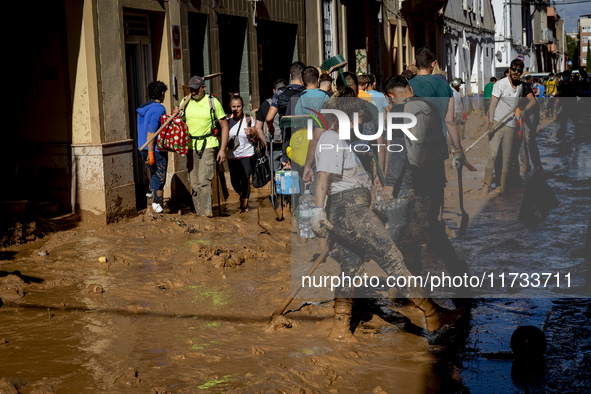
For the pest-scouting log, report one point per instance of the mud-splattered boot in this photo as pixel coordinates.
(436, 316)
(341, 328)
(488, 177)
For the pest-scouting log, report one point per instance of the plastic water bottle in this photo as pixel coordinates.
(307, 202)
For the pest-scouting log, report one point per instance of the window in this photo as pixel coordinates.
(584, 29)
(584, 49)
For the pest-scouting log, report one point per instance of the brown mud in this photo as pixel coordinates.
(182, 305)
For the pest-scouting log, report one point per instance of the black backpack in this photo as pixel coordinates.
(284, 98)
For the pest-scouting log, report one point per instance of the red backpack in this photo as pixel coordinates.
(174, 137)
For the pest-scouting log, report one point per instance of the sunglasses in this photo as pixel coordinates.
(515, 69)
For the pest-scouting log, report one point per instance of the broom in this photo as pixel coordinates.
(335, 62)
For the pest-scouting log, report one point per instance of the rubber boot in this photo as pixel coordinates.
(341, 327)
(488, 177)
(436, 316)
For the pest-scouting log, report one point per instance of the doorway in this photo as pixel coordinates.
(138, 61)
(277, 50)
(233, 37)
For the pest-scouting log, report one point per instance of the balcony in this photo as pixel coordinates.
(551, 13)
(544, 36)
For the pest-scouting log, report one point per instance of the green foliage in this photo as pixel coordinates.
(572, 46)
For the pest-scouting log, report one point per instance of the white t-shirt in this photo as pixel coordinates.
(508, 99)
(245, 149)
(457, 102)
(338, 159)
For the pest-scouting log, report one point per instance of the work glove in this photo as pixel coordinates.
(320, 222)
(151, 159)
(459, 158)
(464, 116)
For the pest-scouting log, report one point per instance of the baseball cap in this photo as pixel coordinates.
(457, 82)
(196, 82)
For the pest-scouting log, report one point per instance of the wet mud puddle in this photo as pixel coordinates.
(182, 305)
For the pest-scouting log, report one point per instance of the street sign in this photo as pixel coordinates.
(176, 41)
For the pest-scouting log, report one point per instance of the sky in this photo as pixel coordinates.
(570, 13)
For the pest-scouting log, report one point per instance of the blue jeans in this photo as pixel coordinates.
(158, 172)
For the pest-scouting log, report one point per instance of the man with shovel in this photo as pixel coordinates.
(505, 95)
(414, 184)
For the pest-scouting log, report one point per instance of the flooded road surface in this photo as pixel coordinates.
(496, 242)
(182, 305)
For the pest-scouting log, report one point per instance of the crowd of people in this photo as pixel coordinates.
(410, 181)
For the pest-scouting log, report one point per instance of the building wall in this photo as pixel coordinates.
(468, 43)
(584, 37)
(514, 35)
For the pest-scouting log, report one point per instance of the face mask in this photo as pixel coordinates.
(552, 79)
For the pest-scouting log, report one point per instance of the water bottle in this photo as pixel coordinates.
(307, 202)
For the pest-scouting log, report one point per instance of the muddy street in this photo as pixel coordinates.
(170, 303)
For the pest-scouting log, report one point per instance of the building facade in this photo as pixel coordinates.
(90, 69)
(584, 38)
(513, 35)
(468, 43)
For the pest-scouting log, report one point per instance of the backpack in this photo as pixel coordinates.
(284, 98)
(174, 137)
(431, 142)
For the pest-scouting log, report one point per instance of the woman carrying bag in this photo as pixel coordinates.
(240, 149)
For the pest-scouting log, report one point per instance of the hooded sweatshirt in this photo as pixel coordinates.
(148, 120)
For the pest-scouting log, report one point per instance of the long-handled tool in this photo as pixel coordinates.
(468, 166)
(465, 217)
(217, 176)
(492, 130)
(183, 105)
(320, 259)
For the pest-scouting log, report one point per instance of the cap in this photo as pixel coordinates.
(457, 82)
(196, 82)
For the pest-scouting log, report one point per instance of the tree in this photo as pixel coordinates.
(572, 46)
(588, 66)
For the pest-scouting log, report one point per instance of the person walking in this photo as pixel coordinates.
(567, 92)
(205, 147)
(241, 149)
(459, 112)
(148, 122)
(488, 93)
(551, 89)
(415, 192)
(357, 230)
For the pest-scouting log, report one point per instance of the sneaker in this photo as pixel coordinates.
(156, 207)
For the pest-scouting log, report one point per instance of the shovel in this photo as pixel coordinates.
(283, 307)
(465, 217)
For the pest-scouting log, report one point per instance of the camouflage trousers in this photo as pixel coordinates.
(360, 234)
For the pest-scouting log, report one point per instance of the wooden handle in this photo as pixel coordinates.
(183, 105)
(281, 309)
(492, 130)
